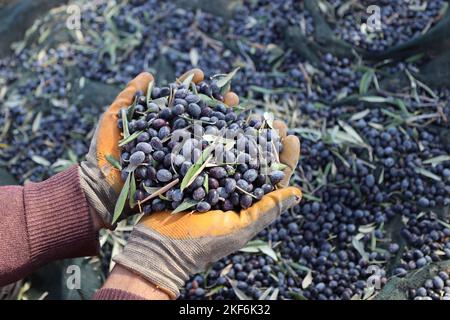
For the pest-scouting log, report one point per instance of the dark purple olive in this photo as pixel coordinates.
(141, 124)
(198, 182)
(165, 91)
(218, 172)
(166, 114)
(198, 194)
(158, 124)
(151, 172)
(185, 167)
(194, 110)
(137, 158)
(139, 195)
(213, 197)
(144, 147)
(242, 184)
(163, 175)
(234, 198)
(192, 98)
(177, 195)
(159, 155)
(178, 109)
(147, 208)
(125, 156)
(230, 185)
(203, 206)
(158, 205)
(245, 201)
(141, 172)
(213, 183)
(156, 143)
(250, 175)
(258, 193)
(143, 137)
(276, 176)
(163, 132)
(227, 205)
(267, 188)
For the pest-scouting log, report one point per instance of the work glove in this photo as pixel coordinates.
(166, 249)
(100, 180)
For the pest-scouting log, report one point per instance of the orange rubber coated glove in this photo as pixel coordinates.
(100, 180)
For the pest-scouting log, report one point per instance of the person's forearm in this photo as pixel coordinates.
(123, 284)
(42, 222)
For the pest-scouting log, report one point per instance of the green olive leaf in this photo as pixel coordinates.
(149, 91)
(186, 204)
(120, 204)
(132, 202)
(206, 183)
(196, 169)
(129, 138)
(113, 161)
(187, 82)
(126, 132)
(130, 110)
(226, 79)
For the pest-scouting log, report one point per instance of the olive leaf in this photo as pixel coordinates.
(206, 183)
(161, 102)
(427, 174)
(186, 204)
(226, 79)
(126, 132)
(161, 190)
(196, 169)
(208, 100)
(130, 110)
(269, 117)
(120, 204)
(150, 190)
(365, 82)
(239, 293)
(129, 138)
(359, 246)
(260, 246)
(40, 160)
(307, 280)
(278, 166)
(436, 160)
(37, 122)
(132, 202)
(187, 82)
(149, 91)
(113, 161)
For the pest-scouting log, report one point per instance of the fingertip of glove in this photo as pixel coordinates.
(285, 193)
(296, 193)
(281, 127)
(198, 75)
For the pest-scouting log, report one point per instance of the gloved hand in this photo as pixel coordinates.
(166, 249)
(100, 181)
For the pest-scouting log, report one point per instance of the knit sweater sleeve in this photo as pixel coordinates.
(43, 222)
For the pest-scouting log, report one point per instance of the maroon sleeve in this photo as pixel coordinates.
(115, 294)
(42, 222)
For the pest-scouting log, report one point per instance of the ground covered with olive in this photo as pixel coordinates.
(375, 153)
